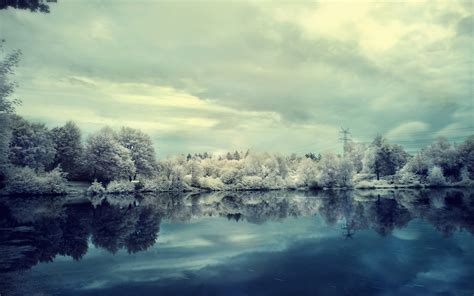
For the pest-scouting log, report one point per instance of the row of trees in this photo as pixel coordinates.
(107, 154)
(128, 154)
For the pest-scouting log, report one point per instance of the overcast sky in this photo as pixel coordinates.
(216, 76)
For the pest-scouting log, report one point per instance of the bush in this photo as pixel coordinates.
(96, 188)
(26, 181)
(54, 182)
(436, 177)
(252, 182)
(230, 176)
(211, 183)
(123, 186)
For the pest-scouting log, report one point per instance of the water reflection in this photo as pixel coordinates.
(35, 230)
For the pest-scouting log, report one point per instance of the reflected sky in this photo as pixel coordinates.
(210, 253)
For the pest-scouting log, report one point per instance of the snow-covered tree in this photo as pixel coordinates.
(67, 142)
(328, 170)
(196, 172)
(141, 149)
(436, 177)
(466, 155)
(418, 165)
(442, 153)
(356, 153)
(345, 172)
(31, 144)
(106, 159)
(384, 159)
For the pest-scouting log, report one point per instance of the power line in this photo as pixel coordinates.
(345, 138)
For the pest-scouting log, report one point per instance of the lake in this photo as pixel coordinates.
(386, 242)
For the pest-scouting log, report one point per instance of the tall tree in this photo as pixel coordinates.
(31, 144)
(106, 159)
(67, 142)
(141, 149)
(384, 159)
(466, 155)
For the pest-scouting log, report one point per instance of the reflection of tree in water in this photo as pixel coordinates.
(387, 214)
(36, 230)
(76, 229)
(145, 232)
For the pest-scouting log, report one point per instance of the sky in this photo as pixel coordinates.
(267, 76)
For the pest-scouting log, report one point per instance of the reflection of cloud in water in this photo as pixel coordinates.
(405, 234)
(253, 239)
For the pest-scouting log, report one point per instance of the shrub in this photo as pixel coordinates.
(211, 183)
(230, 176)
(96, 188)
(54, 182)
(26, 181)
(252, 182)
(436, 177)
(123, 186)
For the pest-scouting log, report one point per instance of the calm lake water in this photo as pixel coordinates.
(252, 243)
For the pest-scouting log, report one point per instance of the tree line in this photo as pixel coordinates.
(39, 160)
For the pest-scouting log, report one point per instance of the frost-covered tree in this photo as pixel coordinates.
(436, 177)
(141, 149)
(31, 144)
(442, 153)
(384, 159)
(196, 172)
(67, 142)
(356, 153)
(307, 173)
(418, 165)
(328, 170)
(345, 172)
(106, 159)
(466, 155)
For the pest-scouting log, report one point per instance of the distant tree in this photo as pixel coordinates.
(466, 155)
(329, 170)
(345, 172)
(236, 155)
(32, 5)
(228, 156)
(141, 149)
(106, 159)
(31, 144)
(384, 159)
(313, 156)
(188, 157)
(442, 153)
(436, 177)
(67, 142)
(356, 154)
(196, 172)
(307, 173)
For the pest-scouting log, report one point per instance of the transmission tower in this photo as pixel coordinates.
(345, 137)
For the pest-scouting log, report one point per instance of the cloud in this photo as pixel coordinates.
(238, 73)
